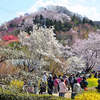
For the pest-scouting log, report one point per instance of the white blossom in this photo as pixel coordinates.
(75, 64)
(42, 45)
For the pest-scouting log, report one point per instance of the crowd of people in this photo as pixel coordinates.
(62, 84)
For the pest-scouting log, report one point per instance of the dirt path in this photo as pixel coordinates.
(67, 95)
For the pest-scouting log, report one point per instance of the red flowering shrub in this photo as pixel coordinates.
(10, 37)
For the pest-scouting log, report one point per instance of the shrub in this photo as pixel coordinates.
(93, 82)
(17, 83)
(25, 96)
(88, 95)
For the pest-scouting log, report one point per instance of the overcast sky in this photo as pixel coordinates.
(10, 9)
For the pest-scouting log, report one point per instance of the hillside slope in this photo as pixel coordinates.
(67, 25)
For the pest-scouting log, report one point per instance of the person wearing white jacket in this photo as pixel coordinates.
(63, 88)
(76, 87)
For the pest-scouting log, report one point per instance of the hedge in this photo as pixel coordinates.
(25, 96)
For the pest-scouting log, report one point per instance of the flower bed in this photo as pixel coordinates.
(93, 82)
(88, 95)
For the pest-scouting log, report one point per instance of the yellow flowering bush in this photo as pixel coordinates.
(93, 82)
(88, 95)
(17, 83)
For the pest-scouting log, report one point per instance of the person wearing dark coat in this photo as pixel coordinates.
(84, 82)
(98, 88)
(50, 85)
(96, 76)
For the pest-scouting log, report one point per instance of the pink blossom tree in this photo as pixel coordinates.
(46, 14)
(89, 50)
(51, 14)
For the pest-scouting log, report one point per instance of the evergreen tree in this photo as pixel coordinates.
(41, 17)
(85, 20)
(91, 22)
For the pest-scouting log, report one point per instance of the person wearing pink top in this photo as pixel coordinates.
(63, 88)
(79, 79)
(56, 82)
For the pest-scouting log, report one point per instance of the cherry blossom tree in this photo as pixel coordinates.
(10, 52)
(46, 14)
(60, 9)
(51, 14)
(27, 24)
(74, 64)
(89, 49)
(42, 47)
(66, 51)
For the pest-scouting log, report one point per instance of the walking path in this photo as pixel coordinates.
(67, 95)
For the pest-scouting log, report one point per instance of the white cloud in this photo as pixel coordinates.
(40, 3)
(79, 9)
(90, 12)
(19, 13)
(94, 15)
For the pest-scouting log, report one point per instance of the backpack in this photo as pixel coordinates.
(65, 81)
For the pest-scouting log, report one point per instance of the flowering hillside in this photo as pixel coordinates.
(64, 22)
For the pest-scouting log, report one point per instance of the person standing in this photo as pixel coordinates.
(45, 80)
(70, 77)
(36, 85)
(50, 85)
(99, 75)
(63, 88)
(98, 88)
(66, 81)
(96, 76)
(72, 82)
(30, 90)
(56, 83)
(76, 87)
(84, 83)
(41, 87)
(80, 79)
